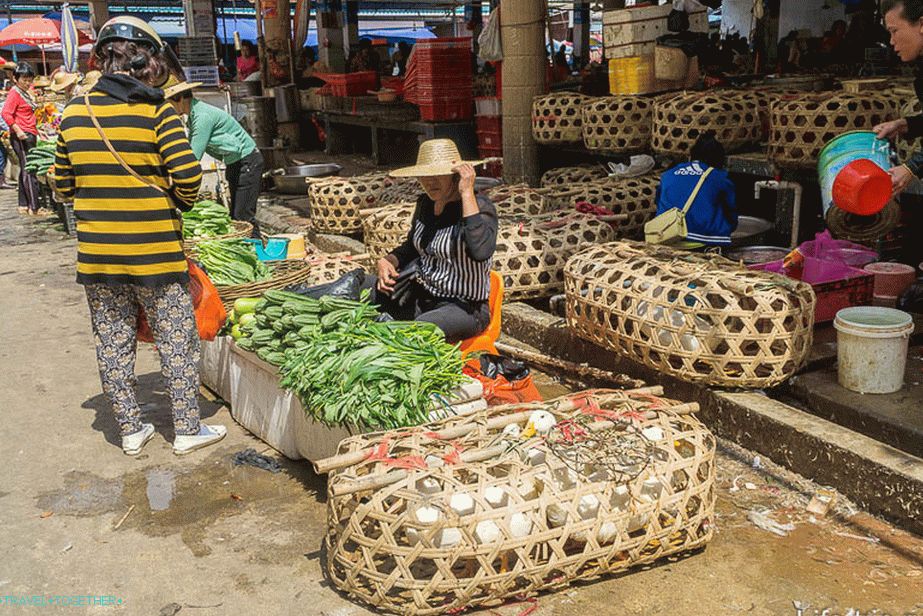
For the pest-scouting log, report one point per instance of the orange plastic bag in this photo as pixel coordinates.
(505, 380)
(210, 315)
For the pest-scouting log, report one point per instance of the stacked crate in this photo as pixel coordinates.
(489, 125)
(199, 59)
(440, 79)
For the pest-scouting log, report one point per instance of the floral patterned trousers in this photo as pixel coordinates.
(114, 313)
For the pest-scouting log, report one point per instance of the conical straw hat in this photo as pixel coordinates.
(436, 157)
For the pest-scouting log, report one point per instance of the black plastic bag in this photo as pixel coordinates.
(347, 286)
(509, 368)
(912, 299)
(677, 21)
(402, 285)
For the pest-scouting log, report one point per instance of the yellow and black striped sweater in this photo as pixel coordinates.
(127, 231)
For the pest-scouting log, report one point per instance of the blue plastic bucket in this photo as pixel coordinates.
(276, 248)
(839, 153)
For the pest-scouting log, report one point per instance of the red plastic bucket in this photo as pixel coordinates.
(862, 187)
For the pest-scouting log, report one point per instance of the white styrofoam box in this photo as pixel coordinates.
(215, 366)
(636, 26)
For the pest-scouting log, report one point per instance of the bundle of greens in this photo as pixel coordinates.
(348, 369)
(40, 157)
(206, 219)
(231, 262)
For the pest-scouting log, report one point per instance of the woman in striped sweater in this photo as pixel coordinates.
(124, 160)
(441, 273)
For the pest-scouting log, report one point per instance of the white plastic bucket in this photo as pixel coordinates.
(872, 348)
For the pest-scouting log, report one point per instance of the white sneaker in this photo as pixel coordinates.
(187, 443)
(134, 443)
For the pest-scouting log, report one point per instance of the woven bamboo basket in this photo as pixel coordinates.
(241, 230)
(531, 252)
(679, 121)
(863, 229)
(463, 515)
(634, 197)
(336, 202)
(558, 118)
(801, 127)
(907, 148)
(386, 228)
(618, 124)
(566, 177)
(286, 273)
(402, 190)
(518, 199)
(701, 318)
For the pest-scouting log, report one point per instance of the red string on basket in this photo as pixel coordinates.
(454, 456)
(406, 462)
(379, 452)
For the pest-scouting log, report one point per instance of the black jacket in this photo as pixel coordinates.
(915, 128)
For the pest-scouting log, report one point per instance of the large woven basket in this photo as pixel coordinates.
(518, 199)
(240, 228)
(679, 121)
(512, 515)
(336, 203)
(863, 229)
(701, 318)
(532, 251)
(566, 177)
(800, 128)
(403, 190)
(618, 124)
(386, 228)
(907, 148)
(558, 118)
(634, 197)
(286, 273)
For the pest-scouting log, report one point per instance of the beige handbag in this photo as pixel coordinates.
(670, 227)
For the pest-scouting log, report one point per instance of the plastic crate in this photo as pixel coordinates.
(489, 124)
(490, 139)
(434, 111)
(490, 152)
(206, 75)
(196, 50)
(488, 106)
(836, 285)
(351, 84)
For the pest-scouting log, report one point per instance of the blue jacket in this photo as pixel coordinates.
(713, 215)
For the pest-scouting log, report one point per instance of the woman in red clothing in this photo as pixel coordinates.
(19, 113)
(248, 62)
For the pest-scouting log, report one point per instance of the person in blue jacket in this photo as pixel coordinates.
(713, 215)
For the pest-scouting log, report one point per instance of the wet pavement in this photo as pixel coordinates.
(201, 535)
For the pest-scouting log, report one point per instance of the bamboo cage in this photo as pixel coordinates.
(801, 127)
(469, 513)
(558, 118)
(403, 190)
(566, 177)
(518, 199)
(908, 147)
(631, 197)
(701, 318)
(618, 124)
(679, 121)
(863, 229)
(386, 228)
(336, 203)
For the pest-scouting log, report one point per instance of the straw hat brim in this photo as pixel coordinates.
(432, 169)
(71, 80)
(9, 65)
(180, 88)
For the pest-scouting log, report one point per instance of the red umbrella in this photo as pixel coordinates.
(38, 31)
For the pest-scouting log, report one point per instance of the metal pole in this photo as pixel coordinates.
(524, 65)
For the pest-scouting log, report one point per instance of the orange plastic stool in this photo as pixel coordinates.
(486, 340)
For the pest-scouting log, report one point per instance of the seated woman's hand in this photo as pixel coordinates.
(387, 275)
(466, 178)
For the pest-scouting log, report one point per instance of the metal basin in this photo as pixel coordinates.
(749, 229)
(752, 255)
(291, 180)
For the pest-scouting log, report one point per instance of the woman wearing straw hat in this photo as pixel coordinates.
(441, 273)
(64, 83)
(215, 132)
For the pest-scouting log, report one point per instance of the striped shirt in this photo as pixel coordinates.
(455, 254)
(127, 231)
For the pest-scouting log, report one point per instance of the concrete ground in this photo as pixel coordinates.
(199, 536)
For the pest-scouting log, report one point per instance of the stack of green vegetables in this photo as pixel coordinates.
(207, 218)
(346, 368)
(231, 262)
(40, 157)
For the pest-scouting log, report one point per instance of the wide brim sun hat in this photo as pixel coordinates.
(436, 157)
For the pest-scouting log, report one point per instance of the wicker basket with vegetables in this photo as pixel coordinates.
(209, 220)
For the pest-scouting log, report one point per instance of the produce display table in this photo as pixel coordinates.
(337, 124)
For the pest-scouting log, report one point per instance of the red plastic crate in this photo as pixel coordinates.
(489, 124)
(490, 139)
(489, 152)
(351, 84)
(433, 111)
